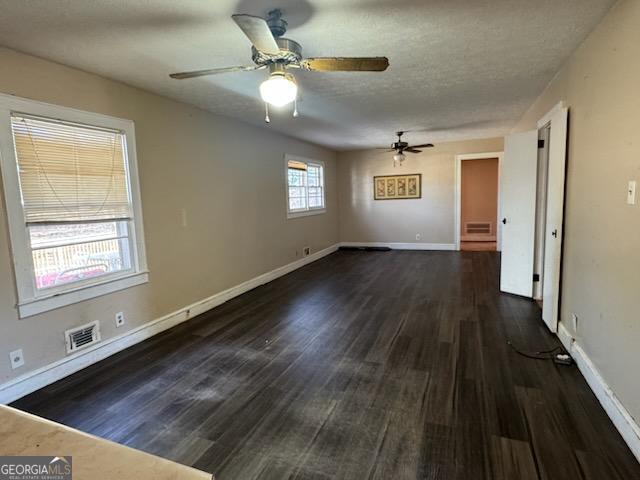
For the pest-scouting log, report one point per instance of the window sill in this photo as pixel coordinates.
(35, 306)
(306, 213)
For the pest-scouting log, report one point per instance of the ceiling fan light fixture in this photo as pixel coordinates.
(399, 157)
(279, 89)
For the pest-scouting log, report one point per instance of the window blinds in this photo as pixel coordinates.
(70, 173)
(295, 165)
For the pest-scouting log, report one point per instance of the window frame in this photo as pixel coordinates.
(308, 210)
(32, 301)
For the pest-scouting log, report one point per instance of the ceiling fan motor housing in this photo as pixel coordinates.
(290, 52)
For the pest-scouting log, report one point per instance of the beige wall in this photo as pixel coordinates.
(227, 175)
(479, 192)
(363, 219)
(601, 273)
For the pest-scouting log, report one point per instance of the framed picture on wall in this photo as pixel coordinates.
(397, 187)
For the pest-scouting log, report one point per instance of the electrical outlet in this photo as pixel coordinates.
(418, 236)
(17, 359)
(306, 251)
(574, 322)
(120, 319)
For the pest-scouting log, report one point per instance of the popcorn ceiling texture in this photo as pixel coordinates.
(459, 68)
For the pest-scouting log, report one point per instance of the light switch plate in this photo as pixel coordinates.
(17, 358)
(631, 193)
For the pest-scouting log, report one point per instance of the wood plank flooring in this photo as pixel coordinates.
(362, 365)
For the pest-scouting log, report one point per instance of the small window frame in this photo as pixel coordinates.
(30, 300)
(308, 210)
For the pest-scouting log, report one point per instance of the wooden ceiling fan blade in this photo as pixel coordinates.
(346, 64)
(424, 145)
(213, 71)
(258, 32)
(412, 150)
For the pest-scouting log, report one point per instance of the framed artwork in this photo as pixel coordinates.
(397, 187)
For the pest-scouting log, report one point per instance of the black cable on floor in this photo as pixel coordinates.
(541, 355)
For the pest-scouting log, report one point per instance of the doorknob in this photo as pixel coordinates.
(555, 233)
(504, 221)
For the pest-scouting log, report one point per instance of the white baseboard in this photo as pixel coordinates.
(402, 246)
(619, 415)
(36, 379)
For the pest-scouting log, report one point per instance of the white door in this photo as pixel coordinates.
(555, 216)
(518, 207)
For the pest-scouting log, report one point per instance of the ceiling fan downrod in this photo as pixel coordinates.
(276, 23)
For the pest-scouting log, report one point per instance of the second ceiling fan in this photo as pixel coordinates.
(270, 50)
(400, 147)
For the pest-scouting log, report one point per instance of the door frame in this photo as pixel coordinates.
(458, 193)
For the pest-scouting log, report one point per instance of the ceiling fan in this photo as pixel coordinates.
(272, 51)
(401, 146)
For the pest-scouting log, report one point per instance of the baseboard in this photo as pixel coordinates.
(37, 379)
(402, 246)
(619, 415)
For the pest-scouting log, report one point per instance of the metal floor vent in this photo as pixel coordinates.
(82, 337)
(482, 228)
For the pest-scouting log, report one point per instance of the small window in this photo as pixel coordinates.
(72, 202)
(305, 187)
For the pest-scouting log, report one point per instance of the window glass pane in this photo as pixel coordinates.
(315, 202)
(297, 203)
(64, 254)
(297, 177)
(62, 234)
(314, 176)
(297, 192)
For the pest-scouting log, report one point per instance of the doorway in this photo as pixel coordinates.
(478, 223)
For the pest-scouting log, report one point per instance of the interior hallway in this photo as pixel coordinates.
(360, 365)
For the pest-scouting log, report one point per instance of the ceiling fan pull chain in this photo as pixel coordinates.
(295, 108)
(266, 113)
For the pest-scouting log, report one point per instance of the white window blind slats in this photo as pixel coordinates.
(70, 173)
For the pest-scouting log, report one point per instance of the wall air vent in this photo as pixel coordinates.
(82, 337)
(477, 228)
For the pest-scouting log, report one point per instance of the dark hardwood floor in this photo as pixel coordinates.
(389, 365)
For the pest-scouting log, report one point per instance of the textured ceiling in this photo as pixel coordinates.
(459, 68)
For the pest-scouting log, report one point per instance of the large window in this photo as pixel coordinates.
(305, 186)
(72, 201)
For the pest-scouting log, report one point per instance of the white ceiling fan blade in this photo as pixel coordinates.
(258, 32)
